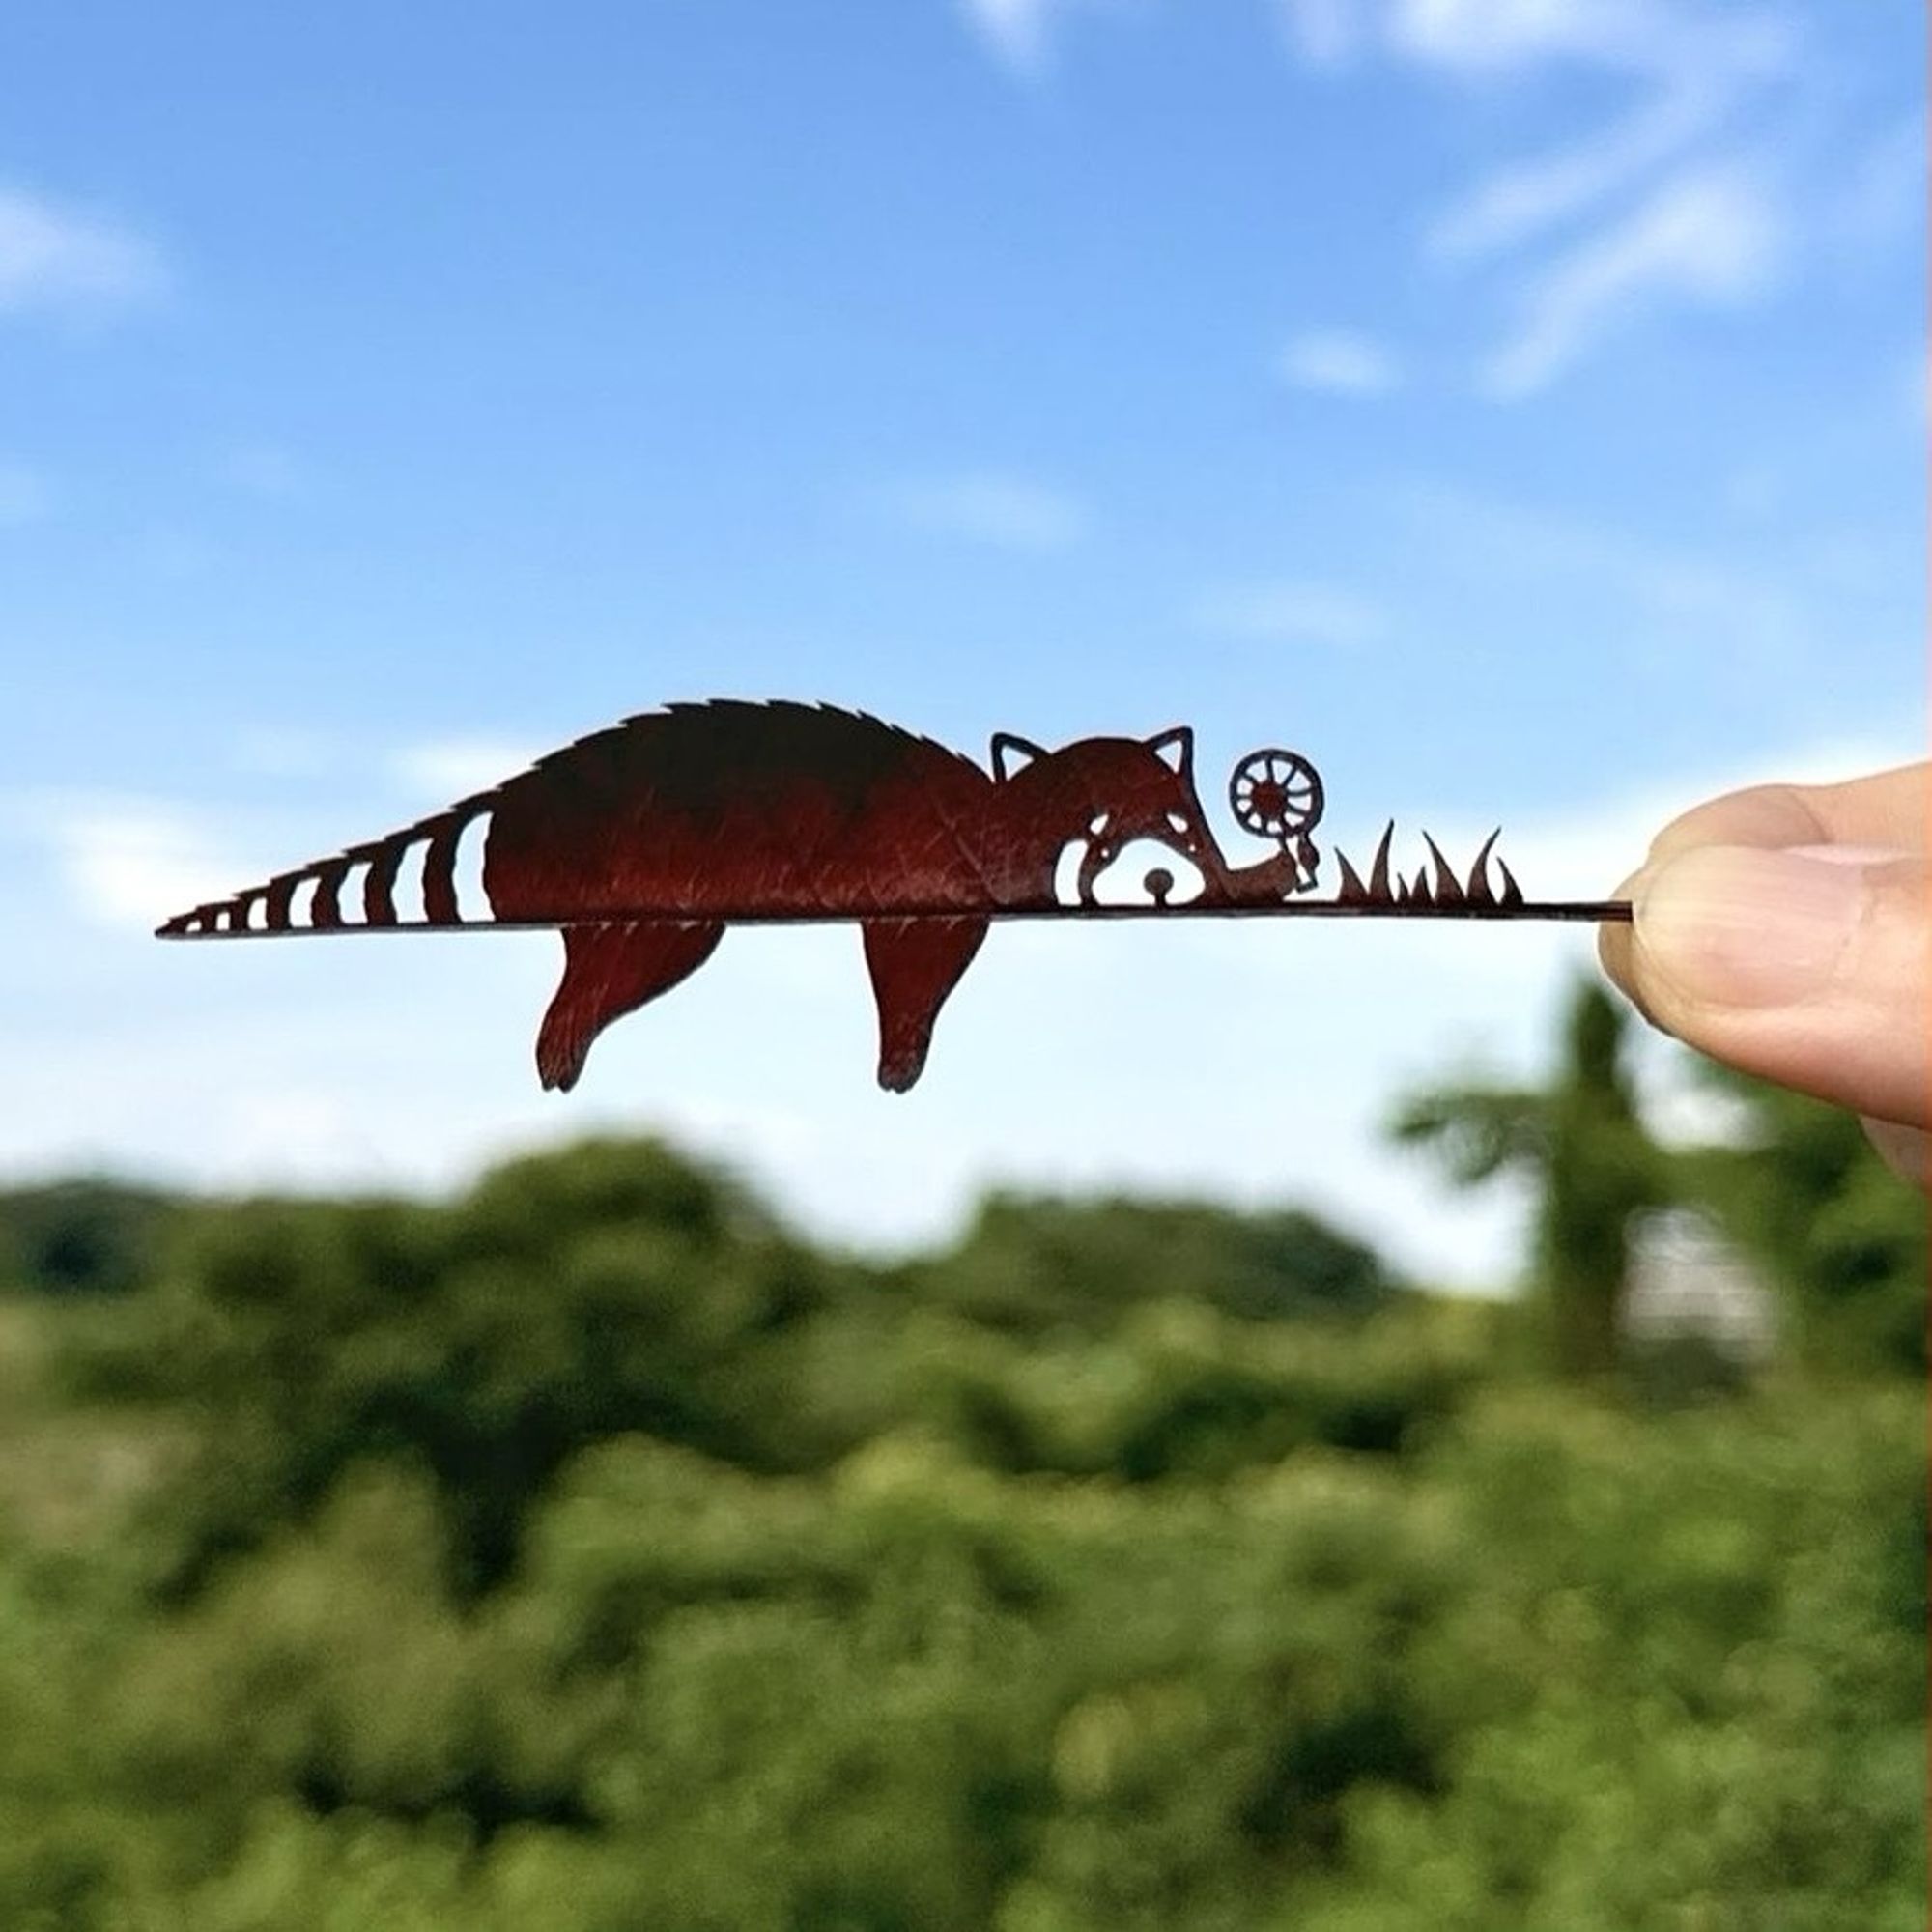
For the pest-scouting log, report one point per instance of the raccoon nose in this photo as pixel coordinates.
(1158, 883)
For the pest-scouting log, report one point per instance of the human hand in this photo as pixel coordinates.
(1783, 930)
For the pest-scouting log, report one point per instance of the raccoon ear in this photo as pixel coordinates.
(1007, 747)
(1176, 750)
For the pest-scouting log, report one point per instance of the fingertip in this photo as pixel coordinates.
(1742, 927)
(1618, 953)
(1802, 970)
(1906, 1150)
(1774, 816)
(1613, 955)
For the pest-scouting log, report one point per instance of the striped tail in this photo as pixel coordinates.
(362, 886)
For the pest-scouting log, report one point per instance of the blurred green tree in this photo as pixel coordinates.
(81, 1237)
(1802, 1192)
(1031, 1264)
(1595, 1168)
(593, 1555)
(612, 1286)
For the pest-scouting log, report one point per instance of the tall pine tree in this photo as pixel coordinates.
(1595, 1169)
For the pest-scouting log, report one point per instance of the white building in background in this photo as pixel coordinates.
(1686, 1281)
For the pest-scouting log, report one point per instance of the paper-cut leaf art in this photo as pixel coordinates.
(641, 844)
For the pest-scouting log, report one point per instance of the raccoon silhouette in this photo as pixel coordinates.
(643, 842)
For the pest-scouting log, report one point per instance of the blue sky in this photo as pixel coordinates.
(1519, 405)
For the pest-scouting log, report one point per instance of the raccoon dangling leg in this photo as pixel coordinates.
(915, 964)
(610, 971)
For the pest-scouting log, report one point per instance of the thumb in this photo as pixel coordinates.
(1807, 967)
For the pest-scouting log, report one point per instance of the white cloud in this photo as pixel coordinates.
(1668, 203)
(1339, 362)
(1291, 613)
(443, 770)
(127, 862)
(982, 506)
(1522, 200)
(1325, 33)
(286, 751)
(1694, 77)
(1483, 39)
(1489, 35)
(1018, 31)
(55, 255)
(431, 772)
(23, 495)
(1670, 601)
(1710, 238)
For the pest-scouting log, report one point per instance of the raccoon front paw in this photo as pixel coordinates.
(900, 1067)
(561, 1051)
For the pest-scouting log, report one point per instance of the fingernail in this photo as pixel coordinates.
(1851, 855)
(1740, 926)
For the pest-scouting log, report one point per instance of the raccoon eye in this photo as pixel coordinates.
(1099, 826)
(1177, 820)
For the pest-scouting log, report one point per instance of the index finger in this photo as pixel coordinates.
(1888, 810)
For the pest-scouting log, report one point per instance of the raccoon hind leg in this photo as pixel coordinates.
(610, 971)
(915, 964)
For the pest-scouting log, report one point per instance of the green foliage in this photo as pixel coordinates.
(1799, 1191)
(76, 1237)
(1698, 1701)
(1602, 1171)
(1178, 1388)
(1476, 1132)
(567, 1299)
(1595, 1167)
(1809, 1198)
(587, 1553)
(1031, 1265)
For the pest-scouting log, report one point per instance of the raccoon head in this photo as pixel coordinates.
(1120, 816)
